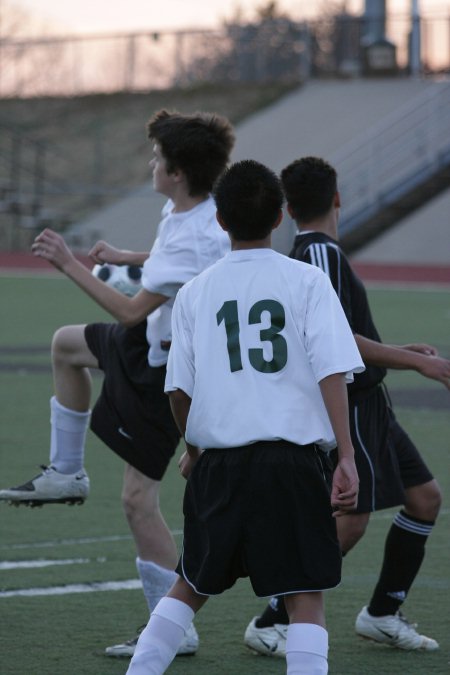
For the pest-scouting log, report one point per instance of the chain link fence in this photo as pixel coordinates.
(272, 49)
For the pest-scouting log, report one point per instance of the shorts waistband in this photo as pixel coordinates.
(263, 444)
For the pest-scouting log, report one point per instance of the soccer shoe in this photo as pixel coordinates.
(270, 641)
(393, 630)
(49, 487)
(188, 646)
(125, 649)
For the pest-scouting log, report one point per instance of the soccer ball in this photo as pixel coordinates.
(124, 278)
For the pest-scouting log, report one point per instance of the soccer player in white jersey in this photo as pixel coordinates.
(261, 351)
(132, 415)
(390, 467)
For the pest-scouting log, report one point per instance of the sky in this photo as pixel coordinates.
(103, 16)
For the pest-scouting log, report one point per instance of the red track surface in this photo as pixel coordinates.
(371, 272)
(400, 273)
(26, 261)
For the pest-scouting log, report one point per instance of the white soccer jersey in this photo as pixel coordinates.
(252, 337)
(187, 243)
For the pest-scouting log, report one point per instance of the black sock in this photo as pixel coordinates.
(275, 612)
(403, 554)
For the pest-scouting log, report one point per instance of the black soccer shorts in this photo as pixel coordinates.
(132, 415)
(386, 458)
(261, 511)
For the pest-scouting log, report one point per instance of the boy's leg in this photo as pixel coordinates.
(157, 554)
(159, 641)
(405, 548)
(154, 542)
(64, 480)
(266, 633)
(307, 638)
(403, 555)
(71, 360)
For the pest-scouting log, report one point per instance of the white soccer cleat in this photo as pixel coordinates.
(188, 646)
(393, 630)
(49, 487)
(124, 649)
(190, 642)
(270, 641)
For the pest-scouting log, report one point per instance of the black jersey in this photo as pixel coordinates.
(321, 250)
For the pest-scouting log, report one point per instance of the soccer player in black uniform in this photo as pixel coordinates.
(391, 470)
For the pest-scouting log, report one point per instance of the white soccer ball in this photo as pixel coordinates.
(124, 278)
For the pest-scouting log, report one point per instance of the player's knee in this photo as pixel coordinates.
(59, 343)
(66, 343)
(350, 530)
(435, 500)
(140, 496)
(130, 502)
(424, 501)
(136, 504)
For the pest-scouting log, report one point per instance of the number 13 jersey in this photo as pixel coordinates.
(252, 336)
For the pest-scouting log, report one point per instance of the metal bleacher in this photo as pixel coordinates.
(394, 167)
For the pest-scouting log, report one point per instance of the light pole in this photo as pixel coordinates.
(415, 64)
(374, 21)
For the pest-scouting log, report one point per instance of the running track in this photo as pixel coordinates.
(438, 275)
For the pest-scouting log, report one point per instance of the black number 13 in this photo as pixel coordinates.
(228, 313)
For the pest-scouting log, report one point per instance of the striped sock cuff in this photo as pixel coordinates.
(410, 524)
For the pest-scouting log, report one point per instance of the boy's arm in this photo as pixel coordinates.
(102, 252)
(128, 311)
(180, 404)
(419, 357)
(344, 493)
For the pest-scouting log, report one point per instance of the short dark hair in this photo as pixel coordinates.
(248, 198)
(309, 185)
(199, 145)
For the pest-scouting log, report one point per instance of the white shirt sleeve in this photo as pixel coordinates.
(169, 267)
(334, 345)
(181, 363)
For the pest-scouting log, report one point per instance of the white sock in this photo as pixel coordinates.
(156, 581)
(306, 649)
(159, 641)
(68, 434)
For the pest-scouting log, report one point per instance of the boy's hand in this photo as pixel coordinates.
(188, 460)
(427, 350)
(52, 247)
(345, 488)
(102, 252)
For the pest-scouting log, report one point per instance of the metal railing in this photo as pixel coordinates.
(136, 62)
(400, 153)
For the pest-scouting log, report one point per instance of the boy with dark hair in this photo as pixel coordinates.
(390, 468)
(132, 414)
(257, 386)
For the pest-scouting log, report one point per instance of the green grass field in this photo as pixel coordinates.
(65, 633)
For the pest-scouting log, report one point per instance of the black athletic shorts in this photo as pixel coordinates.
(262, 511)
(132, 415)
(386, 458)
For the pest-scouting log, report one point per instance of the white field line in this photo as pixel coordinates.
(130, 584)
(75, 542)
(379, 515)
(33, 564)
(127, 585)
